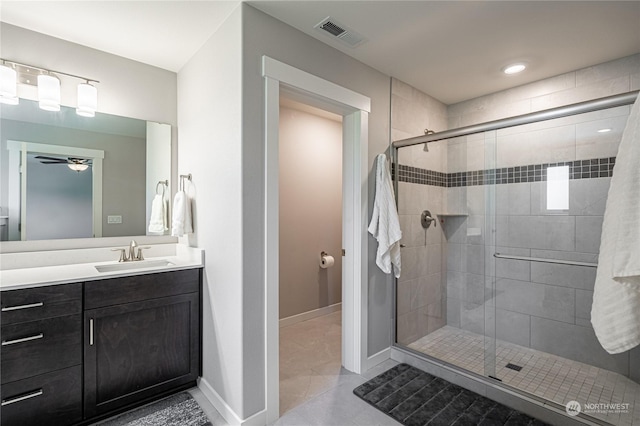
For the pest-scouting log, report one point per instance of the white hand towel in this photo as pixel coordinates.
(615, 313)
(181, 222)
(385, 224)
(158, 217)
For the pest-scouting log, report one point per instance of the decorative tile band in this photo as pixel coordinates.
(421, 176)
(579, 169)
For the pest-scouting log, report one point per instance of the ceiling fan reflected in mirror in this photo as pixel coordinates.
(74, 163)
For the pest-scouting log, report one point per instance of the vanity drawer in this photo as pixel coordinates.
(116, 291)
(37, 347)
(40, 302)
(48, 399)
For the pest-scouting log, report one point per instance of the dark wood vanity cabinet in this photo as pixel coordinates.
(142, 338)
(41, 356)
(73, 353)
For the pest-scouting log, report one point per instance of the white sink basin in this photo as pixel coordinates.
(125, 266)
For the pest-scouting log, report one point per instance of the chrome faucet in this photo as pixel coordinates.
(132, 250)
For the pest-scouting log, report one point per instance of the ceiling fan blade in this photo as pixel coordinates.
(44, 157)
(75, 160)
(53, 162)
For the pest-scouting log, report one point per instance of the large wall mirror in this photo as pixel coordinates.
(66, 176)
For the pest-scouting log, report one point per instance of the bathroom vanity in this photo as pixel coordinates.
(76, 352)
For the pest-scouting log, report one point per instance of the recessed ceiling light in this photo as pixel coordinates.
(604, 130)
(514, 68)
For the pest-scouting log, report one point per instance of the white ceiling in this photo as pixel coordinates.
(160, 33)
(452, 50)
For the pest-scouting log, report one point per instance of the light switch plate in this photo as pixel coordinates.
(114, 219)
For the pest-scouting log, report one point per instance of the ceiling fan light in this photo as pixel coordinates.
(8, 85)
(87, 100)
(48, 92)
(77, 167)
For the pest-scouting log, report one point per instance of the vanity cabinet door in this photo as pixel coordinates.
(134, 351)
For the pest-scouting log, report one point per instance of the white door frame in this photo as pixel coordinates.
(355, 109)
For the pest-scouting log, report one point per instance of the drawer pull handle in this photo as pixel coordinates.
(22, 397)
(91, 332)
(16, 308)
(24, 339)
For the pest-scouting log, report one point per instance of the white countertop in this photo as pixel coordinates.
(37, 269)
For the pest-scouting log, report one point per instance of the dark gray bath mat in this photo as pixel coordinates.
(176, 410)
(413, 397)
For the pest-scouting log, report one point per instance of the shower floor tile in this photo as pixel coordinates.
(548, 376)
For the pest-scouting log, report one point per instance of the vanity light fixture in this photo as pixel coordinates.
(8, 85)
(48, 85)
(49, 92)
(87, 100)
(78, 167)
(514, 68)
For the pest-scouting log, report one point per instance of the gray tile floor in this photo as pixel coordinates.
(314, 388)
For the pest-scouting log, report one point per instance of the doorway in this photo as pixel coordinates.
(354, 108)
(21, 155)
(310, 210)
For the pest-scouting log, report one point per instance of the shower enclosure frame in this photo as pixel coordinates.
(544, 115)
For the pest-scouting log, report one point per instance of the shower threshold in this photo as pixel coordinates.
(544, 375)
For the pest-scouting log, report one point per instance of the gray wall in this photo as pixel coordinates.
(263, 35)
(221, 143)
(127, 88)
(210, 131)
(421, 291)
(310, 211)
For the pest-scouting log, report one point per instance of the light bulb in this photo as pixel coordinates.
(514, 69)
(8, 85)
(87, 100)
(48, 92)
(78, 167)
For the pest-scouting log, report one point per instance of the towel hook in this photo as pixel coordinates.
(182, 178)
(163, 183)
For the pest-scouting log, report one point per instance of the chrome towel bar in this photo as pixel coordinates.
(543, 260)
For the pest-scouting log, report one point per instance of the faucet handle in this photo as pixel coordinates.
(123, 254)
(140, 256)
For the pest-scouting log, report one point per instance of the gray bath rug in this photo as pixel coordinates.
(413, 397)
(176, 410)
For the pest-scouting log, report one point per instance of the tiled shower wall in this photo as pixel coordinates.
(421, 287)
(539, 305)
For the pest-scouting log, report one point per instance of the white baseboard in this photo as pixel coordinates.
(258, 419)
(378, 358)
(311, 314)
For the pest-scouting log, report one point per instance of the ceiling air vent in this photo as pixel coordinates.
(332, 28)
(349, 37)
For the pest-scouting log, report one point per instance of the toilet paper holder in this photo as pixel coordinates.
(326, 260)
